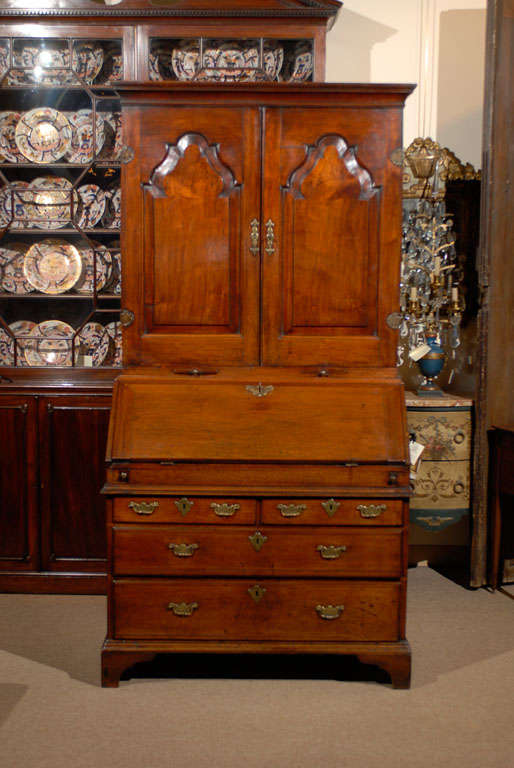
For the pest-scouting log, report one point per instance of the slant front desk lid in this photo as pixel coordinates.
(255, 417)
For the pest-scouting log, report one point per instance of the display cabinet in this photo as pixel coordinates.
(61, 151)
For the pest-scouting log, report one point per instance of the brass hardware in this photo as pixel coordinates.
(259, 390)
(257, 592)
(329, 611)
(270, 236)
(182, 609)
(255, 235)
(396, 157)
(24, 408)
(195, 372)
(144, 507)
(330, 551)
(224, 509)
(459, 438)
(351, 464)
(183, 505)
(393, 478)
(291, 510)
(371, 510)
(323, 373)
(459, 488)
(127, 317)
(331, 506)
(123, 477)
(183, 550)
(257, 540)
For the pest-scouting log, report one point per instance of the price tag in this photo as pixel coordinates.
(415, 451)
(418, 352)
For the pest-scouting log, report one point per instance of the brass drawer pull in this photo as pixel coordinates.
(184, 505)
(257, 592)
(257, 540)
(331, 506)
(329, 612)
(182, 609)
(291, 510)
(255, 236)
(144, 507)
(224, 509)
(459, 437)
(371, 510)
(330, 551)
(459, 488)
(183, 550)
(259, 390)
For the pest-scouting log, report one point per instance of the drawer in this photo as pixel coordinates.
(184, 509)
(331, 511)
(160, 550)
(441, 485)
(193, 609)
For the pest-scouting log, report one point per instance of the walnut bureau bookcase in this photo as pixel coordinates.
(69, 55)
(257, 484)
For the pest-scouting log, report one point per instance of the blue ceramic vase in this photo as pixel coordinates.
(431, 366)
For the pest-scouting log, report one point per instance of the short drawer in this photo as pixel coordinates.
(243, 551)
(189, 509)
(330, 511)
(192, 609)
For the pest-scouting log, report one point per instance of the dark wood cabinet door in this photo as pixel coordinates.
(331, 213)
(73, 436)
(191, 260)
(18, 483)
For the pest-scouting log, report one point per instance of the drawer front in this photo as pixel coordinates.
(186, 509)
(193, 609)
(445, 433)
(330, 511)
(442, 485)
(200, 551)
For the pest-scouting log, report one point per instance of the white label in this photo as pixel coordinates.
(418, 352)
(87, 361)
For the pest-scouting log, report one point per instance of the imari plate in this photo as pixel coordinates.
(43, 135)
(52, 266)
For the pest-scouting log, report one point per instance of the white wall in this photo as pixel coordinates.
(438, 44)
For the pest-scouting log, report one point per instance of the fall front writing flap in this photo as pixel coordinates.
(247, 419)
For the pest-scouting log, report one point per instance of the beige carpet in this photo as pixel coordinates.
(459, 711)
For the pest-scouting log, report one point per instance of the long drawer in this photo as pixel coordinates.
(330, 511)
(187, 509)
(187, 609)
(243, 551)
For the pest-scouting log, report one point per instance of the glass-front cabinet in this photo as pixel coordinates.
(61, 149)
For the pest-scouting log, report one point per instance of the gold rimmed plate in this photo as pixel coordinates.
(50, 344)
(43, 135)
(52, 266)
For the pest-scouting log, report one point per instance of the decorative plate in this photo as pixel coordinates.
(114, 331)
(43, 135)
(273, 61)
(104, 267)
(112, 216)
(48, 64)
(50, 344)
(115, 283)
(303, 65)
(22, 330)
(5, 50)
(154, 73)
(95, 342)
(232, 75)
(82, 148)
(185, 61)
(12, 206)
(87, 60)
(113, 135)
(13, 277)
(93, 206)
(6, 348)
(52, 266)
(114, 68)
(50, 202)
(229, 56)
(8, 146)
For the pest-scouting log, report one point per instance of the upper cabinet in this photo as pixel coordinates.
(261, 224)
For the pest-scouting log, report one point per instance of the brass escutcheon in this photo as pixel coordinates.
(371, 510)
(254, 236)
(224, 509)
(259, 390)
(329, 611)
(330, 551)
(183, 550)
(184, 505)
(331, 506)
(144, 507)
(182, 609)
(291, 510)
(257, 592)
(257, 540)
(270, 236)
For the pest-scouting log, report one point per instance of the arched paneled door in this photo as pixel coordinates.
(261, 235)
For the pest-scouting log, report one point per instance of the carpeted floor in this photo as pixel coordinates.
(458, 712)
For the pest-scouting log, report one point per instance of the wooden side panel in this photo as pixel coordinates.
(18, 483)
(330, 274)
(189, 274)
(73, 435)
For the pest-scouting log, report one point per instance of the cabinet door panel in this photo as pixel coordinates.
(18, 479)
(200, 298)
(326, 275)
(73, 435)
